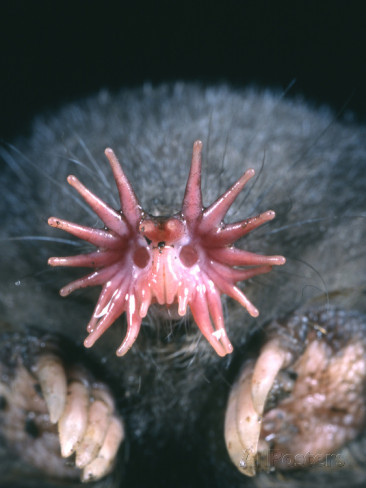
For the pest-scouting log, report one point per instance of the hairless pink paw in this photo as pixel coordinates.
(188, 259)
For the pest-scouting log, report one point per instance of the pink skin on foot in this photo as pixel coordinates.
(188, 259)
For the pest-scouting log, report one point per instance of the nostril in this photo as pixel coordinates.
(141, 257)
(188, 256)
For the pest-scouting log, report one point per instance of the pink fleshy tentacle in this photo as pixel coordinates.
(217, 315)
(97, 237)
(133, 326)
(184, 294)
(233, 291)
(90, 260)
(231, 256)
(111, 218)
(129, 203)
(215, 213)
(143, 293)
(230, 233)
(201, 315)
(163, 276)
(98, 277)
(192, 201)
(110, 288)
(116, 308)
(145, 301)
(231, 275)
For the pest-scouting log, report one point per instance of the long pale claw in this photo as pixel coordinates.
(246, 405)
(242, 425)
(72, 424)
(271, 359)
(99, 419)
(50, 373)
(103, 463)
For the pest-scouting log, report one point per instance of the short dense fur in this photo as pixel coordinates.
(171, 387)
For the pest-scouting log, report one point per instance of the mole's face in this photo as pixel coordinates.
(291, 391)
(188, 259)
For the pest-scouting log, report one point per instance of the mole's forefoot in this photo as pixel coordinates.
(303, 399)
(58, 418)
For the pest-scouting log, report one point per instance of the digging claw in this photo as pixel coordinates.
(52, 378)
(303, 399)
(84, 411)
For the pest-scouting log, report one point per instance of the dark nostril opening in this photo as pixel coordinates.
(3, 402)
(141, 257)
(188, 256)
(31, 428)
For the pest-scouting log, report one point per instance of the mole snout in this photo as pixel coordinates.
(188, 259)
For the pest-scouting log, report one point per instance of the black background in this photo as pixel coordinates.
(54, 51)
